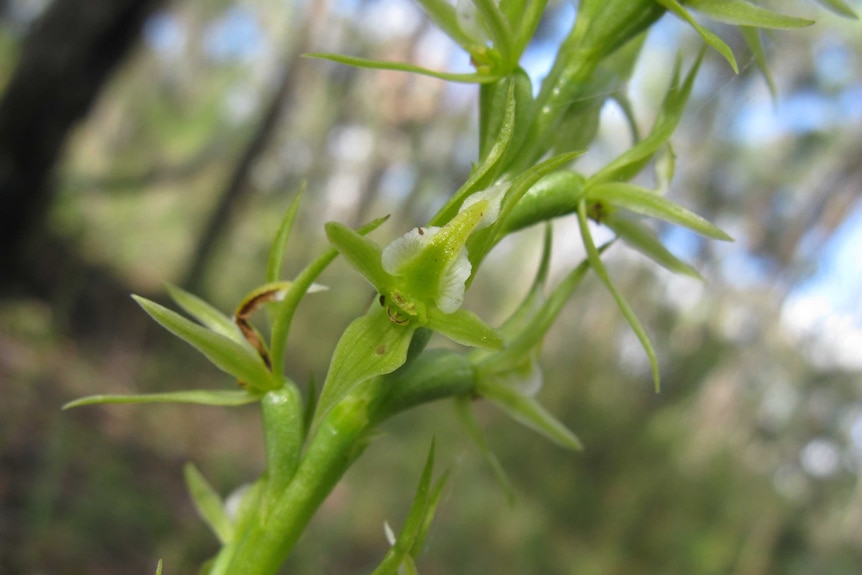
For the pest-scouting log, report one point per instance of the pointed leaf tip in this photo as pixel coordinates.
(208, 504)
(216, 397)
(470, 78)
(279, 243)
(225, 353)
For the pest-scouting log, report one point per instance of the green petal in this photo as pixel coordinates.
(225, 353)
(740, 13)
(464, 327)
(643, 239)
(444, 248)
(208, 504)
(474, 78)
(529, 412)
(200, 397)
(643, 201)
(362, 253)
(624, 307)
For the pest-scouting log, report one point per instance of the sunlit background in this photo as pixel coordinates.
(749, 460)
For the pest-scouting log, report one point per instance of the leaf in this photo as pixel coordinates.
(202, 311)
(534, 331)
(755, 44)
(464, 327)
(409, 542)
(598, 267)
(428, 518)
(643, 201)
(159, 568)
(711, 39)
(494, 102)
(529, 412)
(470, 424)
(279, 243)
(641, 238)
(629, 163)
(208, 504)
(740, 13)
(200, 397)
(533, 301)
(504, 137)
(473, 78)
(371, 345)
(223, 352)
(840, 8)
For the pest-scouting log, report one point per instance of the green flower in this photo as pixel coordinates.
(421, 276)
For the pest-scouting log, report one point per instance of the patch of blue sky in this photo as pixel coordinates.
(165, 34)
(742, 269)
(684, 243)
(835, 62)
(235, 36)
(838, 278)
(796, 114)
(345, 8)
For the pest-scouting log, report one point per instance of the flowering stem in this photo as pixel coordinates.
(341, 438)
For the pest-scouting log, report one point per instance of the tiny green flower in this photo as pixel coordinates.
(421, 276)
(447, 294)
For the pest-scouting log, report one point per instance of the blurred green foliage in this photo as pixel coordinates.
(707, 477)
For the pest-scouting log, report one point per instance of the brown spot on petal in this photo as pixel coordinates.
(380, 350)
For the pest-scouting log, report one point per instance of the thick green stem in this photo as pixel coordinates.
(265, 545)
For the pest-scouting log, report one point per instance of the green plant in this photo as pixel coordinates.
(525, 175)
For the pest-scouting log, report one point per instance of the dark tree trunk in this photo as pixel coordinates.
(65, 62)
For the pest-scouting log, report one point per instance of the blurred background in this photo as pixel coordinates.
(144, 142)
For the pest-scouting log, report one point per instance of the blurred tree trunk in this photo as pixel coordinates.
(65, 62)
